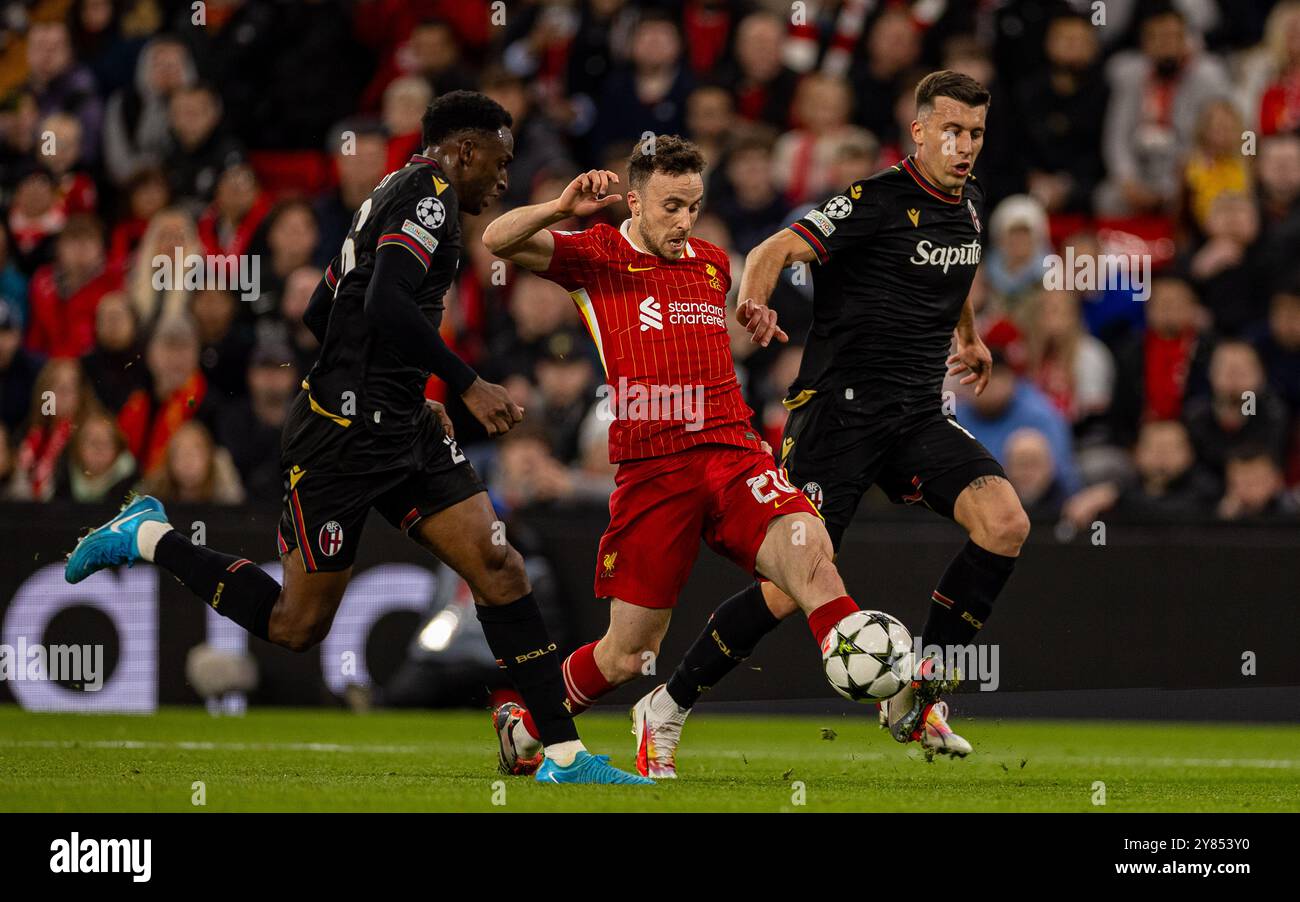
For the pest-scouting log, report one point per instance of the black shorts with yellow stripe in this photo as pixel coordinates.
(838, 444)
(335, 471)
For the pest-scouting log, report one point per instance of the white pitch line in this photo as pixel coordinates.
(851, 757)
(214, 746)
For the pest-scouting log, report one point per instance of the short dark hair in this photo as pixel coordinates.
(946, 83)
(669, 154)
(460, 111)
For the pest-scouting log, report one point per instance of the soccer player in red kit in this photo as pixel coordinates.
(690, 464)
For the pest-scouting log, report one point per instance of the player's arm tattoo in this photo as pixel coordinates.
(980, 482)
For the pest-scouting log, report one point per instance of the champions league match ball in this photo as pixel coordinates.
(868, 656)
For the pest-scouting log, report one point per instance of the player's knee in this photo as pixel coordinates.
(1007, 532)
(503, 577)
(300, 635)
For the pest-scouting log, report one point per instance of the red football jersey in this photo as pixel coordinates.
(660, 327)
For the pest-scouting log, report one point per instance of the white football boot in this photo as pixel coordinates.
(916, 714)
(518, 753)
(657, 725)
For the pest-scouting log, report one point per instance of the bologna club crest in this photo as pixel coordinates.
(813, 491)
(330, 539)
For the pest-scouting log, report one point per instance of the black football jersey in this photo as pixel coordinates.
(895, 259)
(358, 377)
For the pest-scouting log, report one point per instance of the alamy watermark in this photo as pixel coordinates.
(637, 401)
(200, 272)
(76, 664)
(1098, 272)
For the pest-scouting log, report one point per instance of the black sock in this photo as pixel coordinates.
(730, 637)
(964, 599)
(518, 637)
(232, 586)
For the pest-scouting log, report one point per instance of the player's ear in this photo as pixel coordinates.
(633, 201)
(467, 150)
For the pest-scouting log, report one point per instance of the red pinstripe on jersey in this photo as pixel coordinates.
(657, 324)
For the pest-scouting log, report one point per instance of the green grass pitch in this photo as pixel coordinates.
(314, 760)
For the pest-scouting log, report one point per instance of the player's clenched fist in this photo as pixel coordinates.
(760, 321)
(588, 193)
(492, 406)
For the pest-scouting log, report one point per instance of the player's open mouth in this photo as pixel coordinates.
(962, 168)
(676, 244)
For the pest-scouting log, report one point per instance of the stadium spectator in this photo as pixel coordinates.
(201, 148)
(1074, 369)
(1227, 269)
(225, 341)
(801, 158)
(539, 148)
(1032, 472)
(239, 205)
(114, 365)
(762, 84)
(60, 401)
(298, 289)
(1279, 103)
(567, 390)
(157, 291)
(147, 194)
(98, 468)
(1063, 106)
(1156, 94)
(1009, 403)
(193, 470)
(1159, 367)
(74, 189)
(19, 369)
(1168, 481)
(249, 428)
(649, 93)
(291, 239)
(747, 198)
(1014, 263)
(360, 152)
(137, 126)
(1254, 487)
(1278, 347)
(893, 50)
(13, 284)
(178, 393)
(62, 84)
(65, 293)
(405, 101)
(35, 220)
(1215, 165)
(1240, 410)
(435, 55)
(711, 121)
(98, 40)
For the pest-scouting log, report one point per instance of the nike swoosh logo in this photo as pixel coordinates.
(113, 527)
(783, 501)
(631, 268)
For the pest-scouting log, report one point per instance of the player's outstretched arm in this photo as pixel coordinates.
(521, 235)
(763, 267)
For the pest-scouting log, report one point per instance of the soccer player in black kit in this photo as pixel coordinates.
(894, 257)
(361, 435)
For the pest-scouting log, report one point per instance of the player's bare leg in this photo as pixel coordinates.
(465, 538)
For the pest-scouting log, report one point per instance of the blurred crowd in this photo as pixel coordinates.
(134, 129)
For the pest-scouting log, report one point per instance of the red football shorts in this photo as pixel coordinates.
(663, 506)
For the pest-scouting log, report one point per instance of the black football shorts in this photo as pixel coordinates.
(334, 474)
(835, 448)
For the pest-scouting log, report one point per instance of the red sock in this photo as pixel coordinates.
(499, 697)
(824, 618)
(583, 680)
